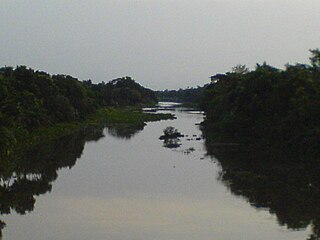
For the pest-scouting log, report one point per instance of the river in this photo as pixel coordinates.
(126, 185)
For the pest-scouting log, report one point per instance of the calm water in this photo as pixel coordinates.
(126, 185)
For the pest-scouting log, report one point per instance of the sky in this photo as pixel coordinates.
(162, 44)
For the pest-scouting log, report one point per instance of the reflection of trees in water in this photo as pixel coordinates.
(285, 187)
(2, 225)
(124, 131)
(33, 174)
(172, 143)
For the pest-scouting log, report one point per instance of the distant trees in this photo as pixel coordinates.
(188, 96)
(125, 91)
(315, 58)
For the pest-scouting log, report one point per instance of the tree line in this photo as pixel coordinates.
(278, 108)
(263, 128)
(31, 99)
(189, 96)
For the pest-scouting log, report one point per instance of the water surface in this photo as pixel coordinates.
(109, 184)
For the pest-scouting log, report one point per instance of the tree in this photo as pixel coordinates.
(240, 69)
(170, 133)
(315, 58)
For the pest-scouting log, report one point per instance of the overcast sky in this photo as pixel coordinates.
(162, 44)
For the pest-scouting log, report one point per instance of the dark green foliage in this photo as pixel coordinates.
(122, 92)
(277, 108)
(170, 132)
(32, 99)
(263, 126)
(125, 91)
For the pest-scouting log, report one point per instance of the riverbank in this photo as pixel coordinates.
(105, 116)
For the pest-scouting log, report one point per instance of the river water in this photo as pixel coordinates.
(110, 184)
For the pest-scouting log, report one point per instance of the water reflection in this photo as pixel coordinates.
(124, 131)
(279, 183)
(32, 175)
(172, 143)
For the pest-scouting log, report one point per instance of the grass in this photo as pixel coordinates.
(105, 116)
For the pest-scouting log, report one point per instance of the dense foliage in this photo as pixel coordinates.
(263, 127)
(121, 92)
(268, 106)
(31, 99)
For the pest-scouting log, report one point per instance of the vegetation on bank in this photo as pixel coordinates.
(263, 127)
(37, 159)
(268, 107)
(111, 117)
(34, 104)
(275, 108)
